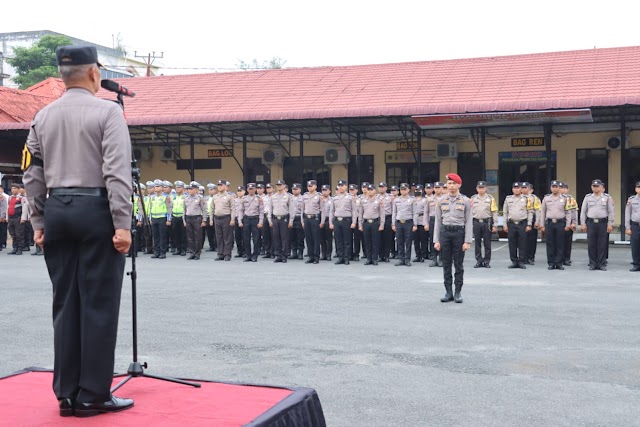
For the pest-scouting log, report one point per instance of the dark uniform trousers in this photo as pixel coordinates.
(517, 237)
(482, 236)
(342, 233)
(296, 237)
(86, 272)
(326, 240)
(16, 230)
(357, 242)
(555, 236)
(160, 238)
(239, 236)
(28, 235)
(371, 238)
(179, 233)
(224, 235)
(312, 233)
(532, 241)
(194, 234)
(451, 241)
(386, 238)
(635, 243)
(403, 237)
(266, 240)
(568, 243)
(280, 235)
(421, 242)
(210, 231)
(3, 234)
(251, 233)
(433, 254)
(598, 240)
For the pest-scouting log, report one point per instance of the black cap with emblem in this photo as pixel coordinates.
(251, 185)
(342, 182)
(353, 187)
(394, 188)
(428, 186)
(596, 182)
(638, 184)
(312, 182)
(260, 186)
(516, 185)
(382, 184)
(296, 186)
(77, 55)
(326, 187)
(555, 183)
(222, 182)
(481, 184)
(280, 182)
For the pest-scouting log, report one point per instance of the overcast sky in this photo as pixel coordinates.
(210, 36)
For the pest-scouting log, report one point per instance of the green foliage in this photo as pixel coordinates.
(274, 63)
(38, 62)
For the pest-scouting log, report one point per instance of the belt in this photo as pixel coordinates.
(343, 218)
(421, 214)
(163, 216)
(453, 227)
(314, 216)
(222, 216)
(402, 221)
(555, 220)
(15, 216)
(635, 223)
(597, 220)
(252, 217)
(193, 216)
(280, 217)
(176, 216)
(388, 216)
(78, 191)
(371, 221)
(517, 222)
(481, 219)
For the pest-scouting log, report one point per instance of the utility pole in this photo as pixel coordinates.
(149, 59)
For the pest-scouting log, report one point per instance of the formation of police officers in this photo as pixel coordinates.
(15, 218)
(382, 222)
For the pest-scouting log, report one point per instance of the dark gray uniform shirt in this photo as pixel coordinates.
(83, 141)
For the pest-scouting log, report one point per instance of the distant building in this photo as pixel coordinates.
(116, 64)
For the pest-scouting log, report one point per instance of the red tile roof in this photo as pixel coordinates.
(18, 106)
(574, 79)
(52, 87)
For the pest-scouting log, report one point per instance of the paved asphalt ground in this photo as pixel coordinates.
(527, 348)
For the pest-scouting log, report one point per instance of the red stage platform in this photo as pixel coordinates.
(28, 400)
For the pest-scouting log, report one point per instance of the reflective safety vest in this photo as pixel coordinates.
(135, 205)
(207, 201)
(159, 207)
(178, 205)
(147, 204)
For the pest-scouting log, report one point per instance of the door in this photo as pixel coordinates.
(313, 167)
(590, 164)
(366, 170)
(471, 170)
(408, 172)
(521, 166)
(257, 172)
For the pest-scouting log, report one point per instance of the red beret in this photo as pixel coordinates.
(454, 177)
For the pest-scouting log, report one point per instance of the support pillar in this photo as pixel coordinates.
(624, 168)
(358, 158)
(301, 161)
(483, 152)
(547, 143)
(245, 170)
(192, 168)
(419, 156)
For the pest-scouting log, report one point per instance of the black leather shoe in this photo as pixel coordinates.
(316, 261)
(457, 298)
(447, 297)
(211, 250)
(602, 268)
(248, 260)
(238, 256)
(254, 259)
(196, 257)
(486, 265)
(635, 269)
(156, 256)
(346, 262)
(227, 258)
(13, 252)
(559, 267)
(162, 256)
(399, 263)
(191, 257)
(478, 265)
(115, 404)
(567, 263)
(220, 258)
(522, 266)
(340, 261)
(433, 263)
(551, 267)
(284, 259)
(278, 259)
(309, 261)
(375, 263)
(367, 262)
(66, 407)
(266, 256)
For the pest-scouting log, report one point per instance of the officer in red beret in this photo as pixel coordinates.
(452, 235)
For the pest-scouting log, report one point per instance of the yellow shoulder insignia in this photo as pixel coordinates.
(26, 158)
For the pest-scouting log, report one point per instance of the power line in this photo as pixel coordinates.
(150, 58)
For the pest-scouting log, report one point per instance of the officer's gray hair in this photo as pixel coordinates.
(70, 73)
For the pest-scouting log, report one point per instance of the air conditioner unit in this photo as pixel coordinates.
(272, 156)
(446, 151)
(614, 143)
(142, 153)
(336, 156)
(168, 154)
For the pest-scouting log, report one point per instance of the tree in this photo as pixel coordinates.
(38, 62)
(274, 63)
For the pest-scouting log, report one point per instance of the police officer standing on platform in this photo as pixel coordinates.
(281, 220)
(632, 226)
(250, 220)
(518, 217)
(223, 217)
(403, 220)
(568, 235)
(195, 213)
(597, 221)
(386, 237)
(484, 210)
(342, 220)
(313, 217)
(326, 234)
(84, 253)
(452, 235)
(372, 220)
(554, 221)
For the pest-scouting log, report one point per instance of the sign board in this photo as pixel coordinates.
(406, 145)
(525, 157)
(220, 153)
(527, 142)
(449, 121)
(408, 156)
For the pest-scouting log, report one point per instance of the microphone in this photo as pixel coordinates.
(112, 86)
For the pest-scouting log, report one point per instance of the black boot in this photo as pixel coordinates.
(457, 298)
(448, 296)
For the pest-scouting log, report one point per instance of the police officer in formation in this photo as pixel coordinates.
(371, 218)
(297, 232)
(178, 229)
(342, 220)
(555, 221)
(313, 219)
(266, 240)
(597, 218)
(210, 229)
(420, 236)
(160, 212)
(518, 220)
(532, 235)
(568, 235)
(356, 234)
(452, 235)
(250, 221)
(281, 221)
(431, 206)
(403, 224)
(223, 217)
(14, 215)
(237, 231)
(386, 238)
(195, 212)
(484, 211)
(632, 226)
(326, 234)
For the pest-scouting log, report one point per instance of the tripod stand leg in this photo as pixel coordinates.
(121, 383)
(173, 380)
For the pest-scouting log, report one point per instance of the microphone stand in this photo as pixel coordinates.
(136, 369)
